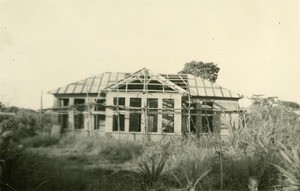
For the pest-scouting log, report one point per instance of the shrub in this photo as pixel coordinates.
(120, 151)
(194, 170)
(151, 170)
(37, 172)
(290, 169)
(107, 147)
(39, 141)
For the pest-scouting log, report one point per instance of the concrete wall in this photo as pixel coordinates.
(222, 122)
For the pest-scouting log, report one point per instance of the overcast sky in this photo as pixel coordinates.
(45, 44)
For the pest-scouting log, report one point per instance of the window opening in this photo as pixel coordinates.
(135, 118)
(100, 105)
(207, 117)
(63, 120)
(152, 114)
(63, 117)
(63, 102)
(99, 119)
(79, 105)
(168, 117)
(119, 104)
(99, 122)
(193, 118)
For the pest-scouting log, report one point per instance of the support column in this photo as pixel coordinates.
(127, 104)
(217, 123)
(86, 125)
(143, 117)
(198, 117)
(71, 114)
(87, 121)
(56, 102)
(177, 116)
(93, 122)
(159, 116)
(109, 113)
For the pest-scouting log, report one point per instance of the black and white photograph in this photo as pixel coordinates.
(149, 95)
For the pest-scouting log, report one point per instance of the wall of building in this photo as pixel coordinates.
(88, 124)
(222, 122)
(229, 118)
(223, 117)
(159, 96)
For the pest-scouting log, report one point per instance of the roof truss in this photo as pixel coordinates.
(145, 80)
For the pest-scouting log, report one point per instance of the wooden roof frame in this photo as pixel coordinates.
(185, 84)
(150, 76)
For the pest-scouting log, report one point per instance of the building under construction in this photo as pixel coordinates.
(145, 104)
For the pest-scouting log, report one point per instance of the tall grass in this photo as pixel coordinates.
(120, 151)
(194, 170)
(39, 141)
(106, 147)
(290, 169)
(262, 148)
(36, 172)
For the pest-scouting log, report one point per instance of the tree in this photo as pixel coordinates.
(290, 105)
(208, 71)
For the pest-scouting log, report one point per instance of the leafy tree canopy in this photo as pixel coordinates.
(208, 71)
(291, 105)
(261, 100)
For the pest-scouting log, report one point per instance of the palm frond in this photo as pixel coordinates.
(291, 167)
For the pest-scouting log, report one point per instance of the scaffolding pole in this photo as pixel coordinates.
(89, 113)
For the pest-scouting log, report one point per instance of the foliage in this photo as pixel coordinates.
(25, 122)
(208, 71)
(290, 168)
(45, 122)
(39, 141)
(19, 124)
(194, 171)
(120, 151)
(106, 147)
(151, 170)
(290, 104)
(39, 172)
(9, 110)
(22, 123)
(254, 147)
(261, 101)
(260, 147)
(10, 152)
(35, 172)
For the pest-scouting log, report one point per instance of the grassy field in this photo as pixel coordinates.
(267, 148)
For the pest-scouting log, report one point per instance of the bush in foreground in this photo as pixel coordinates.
(106, 147)
(39, 141)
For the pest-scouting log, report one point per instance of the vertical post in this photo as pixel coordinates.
(145, 97)
(41, 113)
(177, 116)
(198, 117)
(42, 102)
(89, 112)
(189, 107)
(118, 111)
(189, 116)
